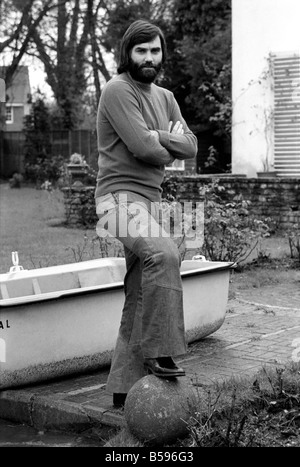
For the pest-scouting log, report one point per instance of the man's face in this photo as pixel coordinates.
(146, 61)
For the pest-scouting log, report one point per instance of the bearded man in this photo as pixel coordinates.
(140, 130)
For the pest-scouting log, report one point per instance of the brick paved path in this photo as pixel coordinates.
(255, 333)
(281, 295)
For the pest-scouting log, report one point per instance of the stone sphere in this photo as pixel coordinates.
(157, 410)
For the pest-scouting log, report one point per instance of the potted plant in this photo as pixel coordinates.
(268, 166)
(77, 167)
(268, 170)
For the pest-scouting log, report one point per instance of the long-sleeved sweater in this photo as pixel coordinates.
(130, 156)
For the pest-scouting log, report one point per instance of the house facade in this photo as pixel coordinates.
(266, 87)
(15, 105)
(18, 98)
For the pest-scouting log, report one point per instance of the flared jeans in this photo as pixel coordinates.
(152, 323)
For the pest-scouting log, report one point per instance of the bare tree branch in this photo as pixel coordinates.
(23, 22)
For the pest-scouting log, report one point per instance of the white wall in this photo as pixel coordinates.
(259, 27)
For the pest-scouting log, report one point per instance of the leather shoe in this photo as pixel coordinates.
(163, 367)
(119, 399)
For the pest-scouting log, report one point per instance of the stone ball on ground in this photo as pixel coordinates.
(158, 410)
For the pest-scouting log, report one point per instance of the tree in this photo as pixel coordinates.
(121, 13)
(19, 22)
(200, 73)
(74, 28)
(59, 34)
(36, 129)
(78, 40)
(202, 31)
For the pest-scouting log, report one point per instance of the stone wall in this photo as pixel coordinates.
(274, 197)
(79, 205)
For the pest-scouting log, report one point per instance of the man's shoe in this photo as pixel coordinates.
(119, 399)
(163, 367)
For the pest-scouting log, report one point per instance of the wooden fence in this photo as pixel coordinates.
(62, 143)
(84, 142)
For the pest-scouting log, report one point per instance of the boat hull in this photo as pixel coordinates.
(64, 319)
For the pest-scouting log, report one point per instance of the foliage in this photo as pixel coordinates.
(231, 232)
(170, 186)
(202, 31)
(45, 168)
(19, 21)
(66, 42)
(293, 235)
(198, 72)
(119, 17)
(16, 180)
(77, 42)
(217, 93)
(214, 163)
(36, 130)
(96, 247)
(250, 413)
(40, 164)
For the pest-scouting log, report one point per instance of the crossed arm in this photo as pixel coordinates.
(177, 129)
(156, 147)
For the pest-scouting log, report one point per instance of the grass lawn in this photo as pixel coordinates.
(32, 223)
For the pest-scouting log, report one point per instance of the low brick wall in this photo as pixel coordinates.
(274, 197)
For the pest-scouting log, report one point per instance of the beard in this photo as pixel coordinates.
(143, 73)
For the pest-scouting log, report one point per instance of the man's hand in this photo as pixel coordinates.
(177, 128)
(155, 134)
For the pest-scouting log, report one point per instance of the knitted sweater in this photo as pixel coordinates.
(130, 157)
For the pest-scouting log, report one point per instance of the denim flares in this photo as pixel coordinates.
(152, 323)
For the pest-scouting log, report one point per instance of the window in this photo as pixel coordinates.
(287, 114)
(9, 114)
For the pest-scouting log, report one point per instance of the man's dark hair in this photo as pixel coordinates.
(139, 31)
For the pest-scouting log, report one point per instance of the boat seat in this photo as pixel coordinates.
(93, 277)
(17, 288)
(4, 291)
(20, 288)
(56, 282)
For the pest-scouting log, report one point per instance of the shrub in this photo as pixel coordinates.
(293, 235)
(231, 232)
(45, 168)
(16, 180)
(170, 187)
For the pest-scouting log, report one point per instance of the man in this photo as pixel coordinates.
(140, 130)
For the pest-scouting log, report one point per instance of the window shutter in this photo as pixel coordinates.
(287, 114)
